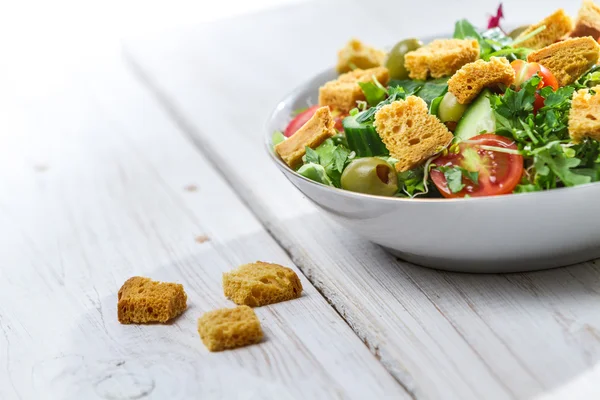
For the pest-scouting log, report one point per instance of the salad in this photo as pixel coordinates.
(483, 113)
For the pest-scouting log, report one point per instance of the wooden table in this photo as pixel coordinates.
(150, 162)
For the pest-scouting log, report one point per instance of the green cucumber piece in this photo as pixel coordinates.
(478, 118)
(362, 138)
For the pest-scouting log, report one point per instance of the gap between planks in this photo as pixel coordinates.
(187, 129)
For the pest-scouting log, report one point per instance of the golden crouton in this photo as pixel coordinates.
(588, 20)
(474, 77)
(558, 25)
(357, 55)
(142, 300)
(261, 283)
(584, 117)
(228, 328)
(311, 134)
(343, 93)
(410, 133)
(441, 58)
(569, 59)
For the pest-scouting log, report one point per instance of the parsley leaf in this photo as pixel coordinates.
(454, 179)
(311, 156)
(340, 156)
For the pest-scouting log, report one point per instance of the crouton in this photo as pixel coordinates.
(441, 58)
(228, 328)
(584, 117)
(314, 132)
(569, 59)
(343, 93)
(588, 20)
(261, 283)
(142, 300)
(410, 133)
(357, 55)
(474, 77)
(558, 25)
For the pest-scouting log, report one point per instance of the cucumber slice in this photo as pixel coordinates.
(479, 118)
(362, 138)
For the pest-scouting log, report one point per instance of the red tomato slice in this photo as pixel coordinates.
(338, 117)
(499, 173)
(525, 70)
(300, 119)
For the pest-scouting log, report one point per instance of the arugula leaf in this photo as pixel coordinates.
(463, 29)
(561, 166)
(433, 89)
(373, 93)
(427, 90)
(311, 156)
(410, 86)
(394, 94)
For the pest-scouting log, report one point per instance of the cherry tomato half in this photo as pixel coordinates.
(525, 70)
(300, 119)
(499, 173)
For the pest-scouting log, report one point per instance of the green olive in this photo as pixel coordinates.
(450, 109)
(394, 61)
(370, 175)
(517, 31)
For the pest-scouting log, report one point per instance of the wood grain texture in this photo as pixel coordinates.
(444, 335)
(98, 185)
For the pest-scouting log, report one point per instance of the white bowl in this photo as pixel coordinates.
(509, 233)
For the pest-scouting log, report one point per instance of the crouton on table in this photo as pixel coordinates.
(261, 283)
(558, 25)
(441, 58)
(228, 328)
(588, 20)
(569, 59)
(472, 78)
(314, 132)
(410, 133)
(584, 117)
(142, 300)
(358, 55)
(343, 93)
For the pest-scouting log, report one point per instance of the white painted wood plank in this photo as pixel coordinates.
(443, 335)
(98, 185)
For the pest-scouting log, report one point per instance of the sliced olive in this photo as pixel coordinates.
(450, 109)
(394, 61)
(370, 175)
